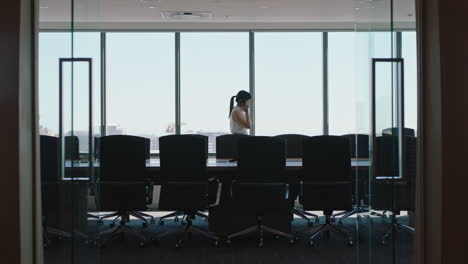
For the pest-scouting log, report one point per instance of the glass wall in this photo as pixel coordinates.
(288, 83)
(214, 67)
(140, 77)
(52, 48)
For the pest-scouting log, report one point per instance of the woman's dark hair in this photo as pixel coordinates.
(241, 98)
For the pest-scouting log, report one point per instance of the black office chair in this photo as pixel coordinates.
(261, 185)
(393, 131)
(184, 181)
(359, 149)
(294, 151)
(50, 189)
(227, 146)
(391, 192)
(326, 184)
(123, 184)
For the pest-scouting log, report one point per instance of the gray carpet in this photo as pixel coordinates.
(334, 249)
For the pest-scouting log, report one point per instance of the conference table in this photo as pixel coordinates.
(80, 170)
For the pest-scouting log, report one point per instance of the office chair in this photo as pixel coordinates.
(176, 214)
(226, 146)
(326, 184)
(393, 131)
(294, 151)
(122, 185)
(185, 183)
(390, 191)
(261, 185)
(359, 148)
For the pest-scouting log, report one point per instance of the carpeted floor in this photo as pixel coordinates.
(367, 249)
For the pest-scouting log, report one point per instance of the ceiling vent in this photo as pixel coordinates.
(186, 15)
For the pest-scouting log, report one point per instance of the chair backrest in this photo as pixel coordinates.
(122, 158)
(50, 167)
(72, 148)
(326, 158)
(183, 157)
(393, 131)
(97, 141)
(262, 159)
(227, 146)
(293, 145)
(359, 145)
(387, 157)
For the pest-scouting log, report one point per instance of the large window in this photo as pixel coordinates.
(214, 67)
(341, 83)
(140, 85)
(288, 83)
(409, 54)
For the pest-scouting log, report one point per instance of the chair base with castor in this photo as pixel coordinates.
(176, 215)
(260, 229)
(187, 230)
(328, 227)
(120, 215)
(305, 215)
(105, 236)
(395, 226)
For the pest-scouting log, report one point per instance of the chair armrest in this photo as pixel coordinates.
(218, 195)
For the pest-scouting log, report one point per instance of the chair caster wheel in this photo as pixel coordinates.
(310, 224)
(142, 245)
(152, 221)
(350, 243)
(161, 222)
(178, 245)
(176, 219)
(260, 244)
(228, 242)
(317, 220)
(292, 241)
(216, 244)
(333, 220)
(144, 224)
(311, 243)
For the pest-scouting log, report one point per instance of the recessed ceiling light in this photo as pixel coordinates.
(152, 7)
(357, 8)
(264, 7)
(43, 7)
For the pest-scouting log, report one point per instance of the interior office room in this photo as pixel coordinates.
(233, 131)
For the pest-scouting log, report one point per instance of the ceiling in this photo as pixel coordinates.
(227, 14)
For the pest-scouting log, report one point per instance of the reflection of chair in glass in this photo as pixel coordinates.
(64, 203)
(394, 132)
(261, 185)
(49, 148)
(359, 149)
(390, 191)
(72, 148)
(123, 184)
(294, 151)
(326, 183)
(184, 181)
(226, 146)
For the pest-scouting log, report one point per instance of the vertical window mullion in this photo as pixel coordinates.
(177, 83)
(325, 83)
